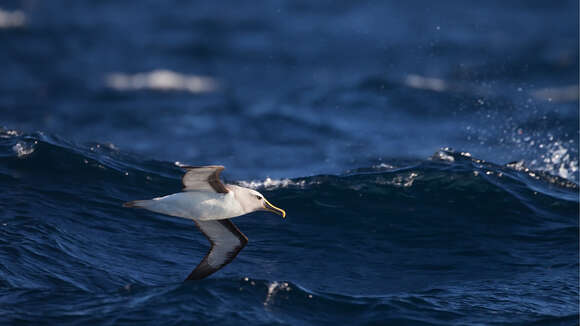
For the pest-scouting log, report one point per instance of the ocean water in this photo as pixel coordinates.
(426, 155)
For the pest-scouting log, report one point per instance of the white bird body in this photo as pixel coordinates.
(210, 204)
(196, 205)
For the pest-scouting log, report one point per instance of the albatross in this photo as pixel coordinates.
(211, 204)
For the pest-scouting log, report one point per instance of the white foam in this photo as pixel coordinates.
(442, 155)
(11, 19)
(23, 149)
(383, 166)
(274, 288)
(404, 181)
(558, 161)
(8, 133)
(162, 80)
(269, 183)
(432, 84)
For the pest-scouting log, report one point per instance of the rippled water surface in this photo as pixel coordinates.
(426, 155)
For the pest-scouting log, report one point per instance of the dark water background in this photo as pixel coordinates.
(426, 154)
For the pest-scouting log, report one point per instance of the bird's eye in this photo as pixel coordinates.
(259, 197)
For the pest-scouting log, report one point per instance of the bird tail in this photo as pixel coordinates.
(136, 203)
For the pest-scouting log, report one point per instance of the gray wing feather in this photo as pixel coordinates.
(204, 178)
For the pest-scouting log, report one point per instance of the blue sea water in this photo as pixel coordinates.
(426, 154)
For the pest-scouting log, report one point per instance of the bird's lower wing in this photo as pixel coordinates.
(226, 242)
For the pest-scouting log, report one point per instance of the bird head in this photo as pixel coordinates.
(254, 201)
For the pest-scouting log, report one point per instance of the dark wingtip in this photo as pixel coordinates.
(201, 272)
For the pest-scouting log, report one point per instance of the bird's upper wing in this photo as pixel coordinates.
(204, 178)
(226, 242)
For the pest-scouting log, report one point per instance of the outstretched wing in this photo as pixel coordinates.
(203, 178)
(226, 242)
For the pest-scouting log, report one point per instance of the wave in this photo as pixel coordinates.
(203, 302)
(449, 183)
(64, 236)
(51, 156)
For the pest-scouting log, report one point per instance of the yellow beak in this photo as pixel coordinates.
(274, 209)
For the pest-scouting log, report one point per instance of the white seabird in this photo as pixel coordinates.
(210, 204)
